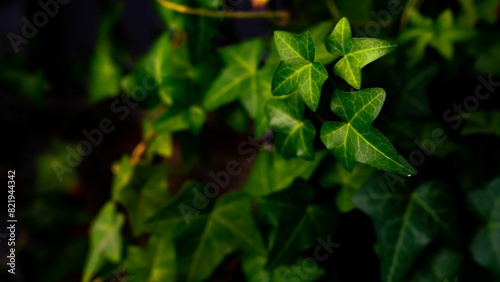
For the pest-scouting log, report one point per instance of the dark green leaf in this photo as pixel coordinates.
(294, 136)
(298, 224)
(229, 228)
(271, 172)
(440, 35)
(241, 79)
(482, 123)
(349, 182)
(485, 246)
(406, 223)
(443, 266)
(174, 120)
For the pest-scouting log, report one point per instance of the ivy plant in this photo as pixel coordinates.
(304, 123)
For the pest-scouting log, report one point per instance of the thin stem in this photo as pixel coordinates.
(285, 15)
(140, 148)
(333, 10)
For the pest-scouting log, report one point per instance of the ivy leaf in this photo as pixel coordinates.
(255, 271)
(229, 228)
(482, 123)
(485, 246)
(297, 70)
(406, 223)
(50, 173)
(349, 182)
(319, 33)
(355, 139)
(105, 240)
(105, 73)
(271, 172)
(144, 202)
(412, 86)
(294, 136)
(174, 120)
(155, 262)
(355, 53)
(443, 265)
(440, 35)
(240, 79)
(297, 224)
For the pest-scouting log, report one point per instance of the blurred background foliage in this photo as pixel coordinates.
(85, 63)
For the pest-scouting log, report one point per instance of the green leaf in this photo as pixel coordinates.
(297, 70)
(174, 120)
(255, 271)
(443, 265)
(124, 172)
(294, 136)
(240, 79)
(155, 263)
(412, 86)
(485, 246)
(297, 223)
(271, 172)
(146, 201)
(440, 35)
(355, 53)
(105, 240)
(349, 182)
(228, 229)
(406, 223)
(105, 73)
(53, 173)
(482, 123)
(355, 139)
(319, 33)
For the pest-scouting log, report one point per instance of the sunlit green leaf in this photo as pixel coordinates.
(298, 71)
(355, 53)
(355, 139)
(406, 223)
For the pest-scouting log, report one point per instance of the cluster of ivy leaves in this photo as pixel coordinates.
(304, 89)
(274, 218)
